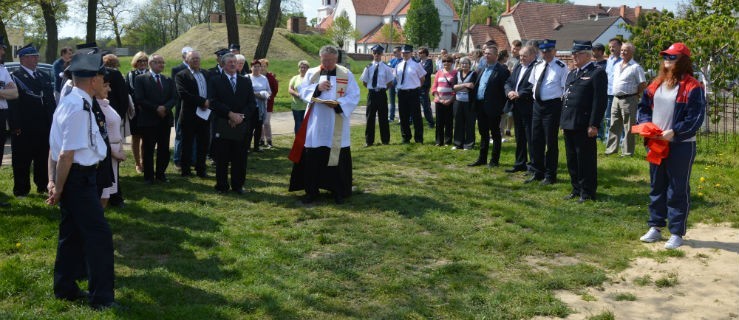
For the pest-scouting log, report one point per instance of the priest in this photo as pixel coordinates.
(321, 151)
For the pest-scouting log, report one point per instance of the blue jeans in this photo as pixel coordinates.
(391, 114)
(298, 116)
(606, 123)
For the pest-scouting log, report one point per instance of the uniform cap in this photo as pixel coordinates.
(407, 48)
(377, 48)
(221, 52)
(581, 45)
(677, 48)
(87, 65)
(547, 44)
(28, 50)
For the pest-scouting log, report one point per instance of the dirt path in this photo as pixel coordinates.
(707, 282)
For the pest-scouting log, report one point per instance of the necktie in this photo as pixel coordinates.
(36, 75)
(540, 81)
(374, 76)
(159, 82)
(233, 83)
(402, 77)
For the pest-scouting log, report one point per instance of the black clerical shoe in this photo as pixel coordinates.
(548, 181)
(585, 198)
(239, 191)
(515, 169)
(493, 164)
(308, 199)
(149, 182)
(108, 305)
(570, 196)
(162, 179)
(479, 162)
(81, 295)
(533, 178)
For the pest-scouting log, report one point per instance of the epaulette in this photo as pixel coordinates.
(561, 64)
(369, 65)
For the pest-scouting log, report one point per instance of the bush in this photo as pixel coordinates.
(310, 43)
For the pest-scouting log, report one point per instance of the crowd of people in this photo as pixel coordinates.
(71, 128)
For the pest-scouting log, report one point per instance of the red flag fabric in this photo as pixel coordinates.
(658, 149)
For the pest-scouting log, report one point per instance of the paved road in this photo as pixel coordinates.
(282, 124)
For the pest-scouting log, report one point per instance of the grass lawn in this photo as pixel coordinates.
(424, 236)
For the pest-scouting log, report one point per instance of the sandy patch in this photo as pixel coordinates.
(707, 282)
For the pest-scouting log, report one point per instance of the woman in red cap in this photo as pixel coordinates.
(674, 102)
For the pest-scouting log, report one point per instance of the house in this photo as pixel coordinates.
(478, 34)
(598, 30)
(368, 17)
(537, 20)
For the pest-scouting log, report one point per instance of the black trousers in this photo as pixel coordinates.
(85, 241)
(409, 105)
(582, 162)
(426, 105)
(312, 172)
(377, 108)
(444, 123)
(235, 154)
(489, 126)
(464, 124)
(544, 144)
(151, 138)
(29, 148)
(522, 127)
(196, 132)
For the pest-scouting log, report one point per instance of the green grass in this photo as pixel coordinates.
(644, 280)
(424, 236)
(606, 315)
(670, 280)
(625, 296)
(308, 42)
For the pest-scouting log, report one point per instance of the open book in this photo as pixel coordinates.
(331, 103)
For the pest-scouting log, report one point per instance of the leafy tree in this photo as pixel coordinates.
(111, 17)
(390, 35)
(341, 31)
(53, 12)
(423, 26)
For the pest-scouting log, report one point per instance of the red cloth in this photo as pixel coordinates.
(299, 143)
(658, 149)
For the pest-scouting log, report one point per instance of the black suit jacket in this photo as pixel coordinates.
(187, 88)
(585, 98)
(34, 108)
(149, 97)
(223, 99)
(495, 98)
(525, 100)
(177, 69)
(427, 65)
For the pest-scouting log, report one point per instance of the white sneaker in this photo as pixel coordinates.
(674, 242)
(653, 235)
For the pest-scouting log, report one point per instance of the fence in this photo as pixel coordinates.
(720, 126)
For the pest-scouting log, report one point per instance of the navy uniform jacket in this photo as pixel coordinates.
(149, 97)
(585, 98)
(525, 101)
(495, 98)
(32, 112)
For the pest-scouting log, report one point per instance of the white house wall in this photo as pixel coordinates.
(616, 29)
(509, 26)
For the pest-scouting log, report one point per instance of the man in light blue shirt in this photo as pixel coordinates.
(614, 46)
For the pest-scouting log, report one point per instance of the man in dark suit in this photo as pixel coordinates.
(30, 121)
(521, 98)
(155, 94)
(192, 87)
(582, 112)
(428, 66)
(490, 99)
(177, 106)
(231, 97)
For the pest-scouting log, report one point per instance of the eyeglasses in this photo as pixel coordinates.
(671, 57)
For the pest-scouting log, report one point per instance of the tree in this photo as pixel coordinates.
(92, 6)
(341, 31)
(423, 26)
(52, 11)
(273, 16)
(232, 25)
(390, 35)
(111, 15)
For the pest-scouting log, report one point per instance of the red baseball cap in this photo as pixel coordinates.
(677, 48)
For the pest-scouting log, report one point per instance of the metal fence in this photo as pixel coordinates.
(720, 126)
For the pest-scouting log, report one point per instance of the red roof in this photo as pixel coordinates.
(370, 7)
(481, 33)
(326, 22)
(375, 36)
(538, 20)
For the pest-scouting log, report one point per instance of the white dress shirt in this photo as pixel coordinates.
(413, 75)
(75, 129)
(384, 75)
(554, 81)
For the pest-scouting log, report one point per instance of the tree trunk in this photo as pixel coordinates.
(92, 6)
(8, 57)
(117, 32)
(232, 26)
(52, 32)
(273, 16)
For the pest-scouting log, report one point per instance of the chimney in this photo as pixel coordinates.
(489, 21)
(507, 6)
(599, 6)
(637, 11)
(622, 11)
